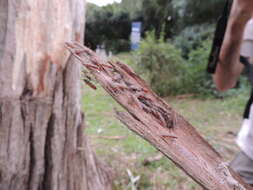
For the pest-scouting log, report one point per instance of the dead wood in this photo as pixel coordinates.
(153, 119)
(149, 160)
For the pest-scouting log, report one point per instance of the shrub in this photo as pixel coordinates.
(169, 74)
(161, 63)
(192, 38)
(196, 79)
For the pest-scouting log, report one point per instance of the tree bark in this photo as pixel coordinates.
(42, 142)
(154, 120)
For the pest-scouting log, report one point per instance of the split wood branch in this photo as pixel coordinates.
(153, 119)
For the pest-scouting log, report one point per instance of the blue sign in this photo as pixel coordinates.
(135, 35)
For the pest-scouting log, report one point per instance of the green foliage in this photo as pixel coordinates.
(192, 38)
(169, 74)
(161, 63)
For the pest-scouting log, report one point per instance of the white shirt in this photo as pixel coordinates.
(247, 44)
(245, 136)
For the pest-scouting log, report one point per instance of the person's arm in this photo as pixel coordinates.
(229, 68)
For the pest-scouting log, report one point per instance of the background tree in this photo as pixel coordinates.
(133, 7)
(197, 11)
(108, 26)
(111, 25)
(42, 142)
(158, 14)
(196, 22)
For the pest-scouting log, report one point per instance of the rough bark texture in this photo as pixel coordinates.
(154, 120)
(42, 142)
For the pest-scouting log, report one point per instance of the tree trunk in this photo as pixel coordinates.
(42, 142)
(155, 121)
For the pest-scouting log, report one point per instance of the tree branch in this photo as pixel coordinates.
(154, 120)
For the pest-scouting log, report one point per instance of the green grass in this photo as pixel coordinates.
(218, 120)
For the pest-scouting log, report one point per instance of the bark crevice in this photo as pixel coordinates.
(32, 158)
(48, 154)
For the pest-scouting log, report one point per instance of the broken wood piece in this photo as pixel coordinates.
(153, 119)
(90, 84)
(149, 160)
